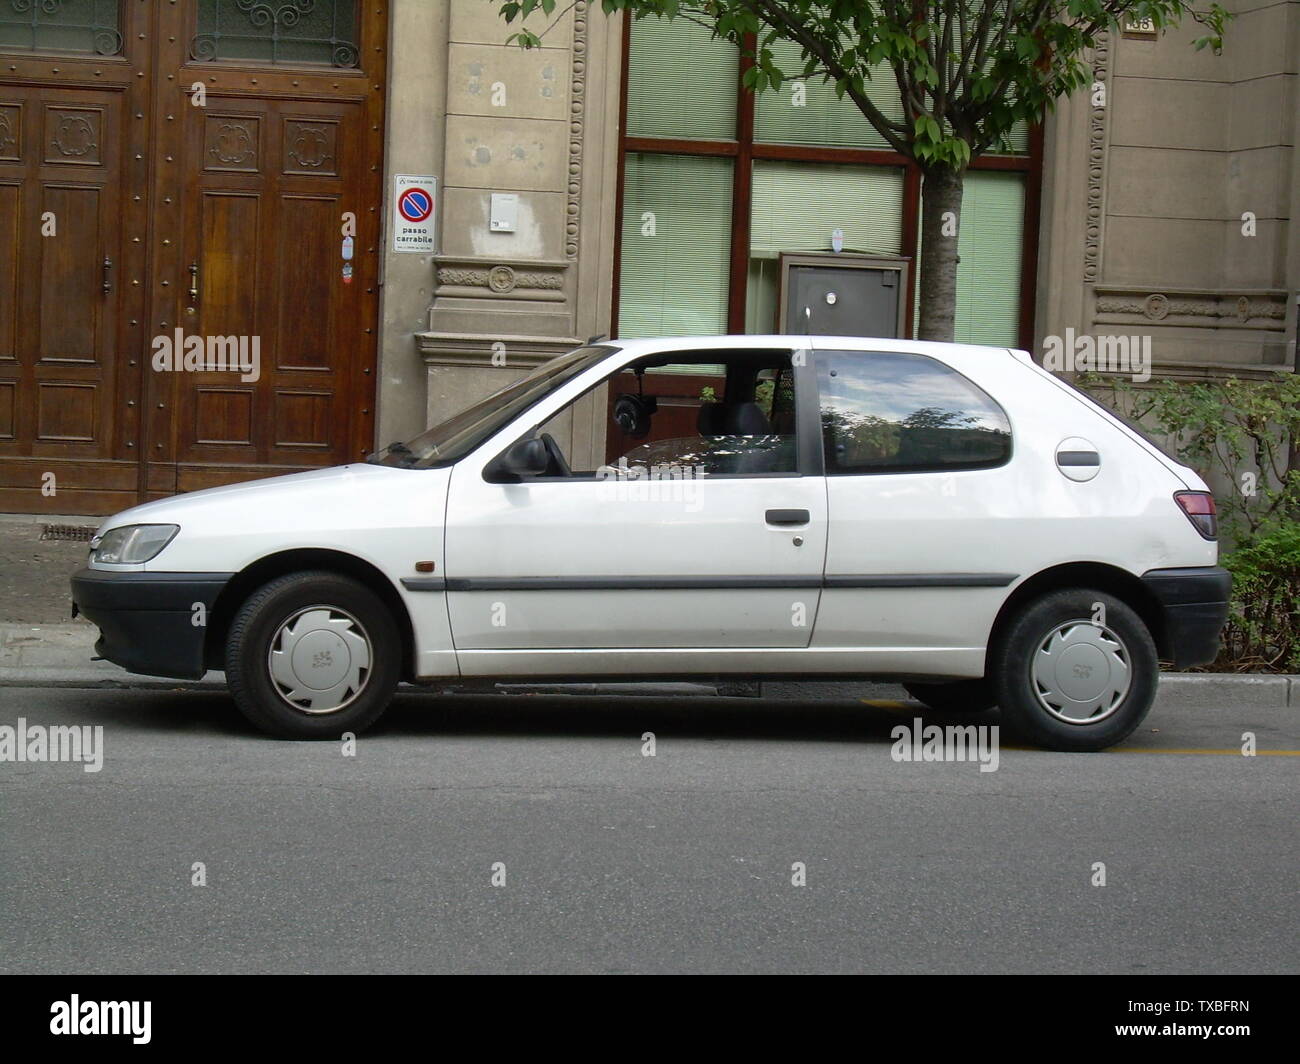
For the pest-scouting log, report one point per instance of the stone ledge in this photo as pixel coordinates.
(1179, 369)
(476, 349)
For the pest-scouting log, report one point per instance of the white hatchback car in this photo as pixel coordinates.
(949, 516)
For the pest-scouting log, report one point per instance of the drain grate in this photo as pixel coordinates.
(76, 533)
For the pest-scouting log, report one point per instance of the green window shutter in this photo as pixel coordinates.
(988, 277)
(681, 82)
(796, 205)
(824, 119)
(674, 282)
(989, 243)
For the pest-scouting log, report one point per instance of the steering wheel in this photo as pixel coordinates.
(556, 455)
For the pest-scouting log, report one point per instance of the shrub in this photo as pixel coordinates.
(1243, 433)
(1263, 630)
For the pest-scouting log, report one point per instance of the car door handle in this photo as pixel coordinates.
(788, 517)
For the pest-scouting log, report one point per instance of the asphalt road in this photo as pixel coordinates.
(615, 862)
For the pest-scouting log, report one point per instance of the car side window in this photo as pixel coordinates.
(711, 413)
(894, 412)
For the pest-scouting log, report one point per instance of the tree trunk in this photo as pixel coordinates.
(941, 191)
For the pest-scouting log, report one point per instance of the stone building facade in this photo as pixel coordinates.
(226, 170)
(1163, 212)
(1168, 212)
(488, 306)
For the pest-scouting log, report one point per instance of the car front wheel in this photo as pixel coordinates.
(1075, 670)
(312, 655)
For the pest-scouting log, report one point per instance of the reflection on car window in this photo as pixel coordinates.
(894, 412)
(712, 456)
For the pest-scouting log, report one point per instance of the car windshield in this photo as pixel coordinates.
(450, 440)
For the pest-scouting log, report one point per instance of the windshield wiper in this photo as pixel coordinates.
(396, 447)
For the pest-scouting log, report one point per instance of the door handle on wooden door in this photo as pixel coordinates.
(194, 284)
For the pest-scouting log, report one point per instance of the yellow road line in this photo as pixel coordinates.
(912, 709)
(1194, 750)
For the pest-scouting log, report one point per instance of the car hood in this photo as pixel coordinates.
(358, 508)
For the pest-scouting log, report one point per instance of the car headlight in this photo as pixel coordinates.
(131, 544)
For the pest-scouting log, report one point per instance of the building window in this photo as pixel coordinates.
(989, 245)
(807, 111)
(797, 164)
(74, 26)
(676, 245)
(293, 32)
(795, 207)
(669, 57)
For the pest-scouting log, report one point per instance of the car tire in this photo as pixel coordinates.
(1069, 676)
(312, 655)
(958, 696)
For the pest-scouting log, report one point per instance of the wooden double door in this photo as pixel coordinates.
(181, 169)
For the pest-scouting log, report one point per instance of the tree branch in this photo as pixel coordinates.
(771, 12)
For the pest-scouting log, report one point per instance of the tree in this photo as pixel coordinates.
(966, 72)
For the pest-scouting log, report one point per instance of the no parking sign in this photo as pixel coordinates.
(414, 203)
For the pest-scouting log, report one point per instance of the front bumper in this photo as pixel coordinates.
(147, 621)
(1194, 604)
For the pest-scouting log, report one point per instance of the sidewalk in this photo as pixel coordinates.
(41, 645)
(34, 573)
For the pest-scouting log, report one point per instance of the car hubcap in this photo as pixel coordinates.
(1081, 672)
(320, 659)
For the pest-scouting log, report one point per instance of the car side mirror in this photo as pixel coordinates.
(523, 458)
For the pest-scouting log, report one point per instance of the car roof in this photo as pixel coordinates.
(834, 343)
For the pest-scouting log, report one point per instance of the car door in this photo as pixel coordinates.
(921, 494)
(554, 573)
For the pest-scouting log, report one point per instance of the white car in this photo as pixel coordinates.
(952, 517)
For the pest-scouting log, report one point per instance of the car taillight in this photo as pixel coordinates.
(1199, 508)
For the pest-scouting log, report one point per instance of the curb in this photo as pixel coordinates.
(1194, 689)
(87, 679)
(1244, 689)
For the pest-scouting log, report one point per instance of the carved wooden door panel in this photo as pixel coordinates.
(71, 144)
(258, 175)
(128, 212)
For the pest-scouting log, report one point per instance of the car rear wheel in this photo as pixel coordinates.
(312, 655)
(1075, 670)
(958, 696)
